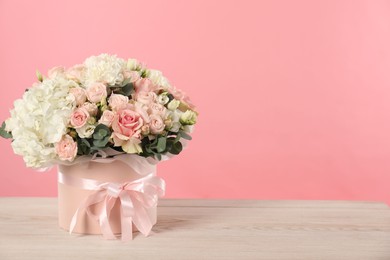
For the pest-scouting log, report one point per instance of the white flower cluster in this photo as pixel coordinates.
(40, 119)
(104, 68)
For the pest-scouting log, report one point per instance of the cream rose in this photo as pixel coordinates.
(156, 124)
(86, 131)
(66, 148)
(79, 95)
(96, 92)
(163, 99)
(118, 102)
(158, 109)
(107, 118)
(132, 75)
(56, 71)
(76, 73)
(91, 108)
(145, 98)
(144, 85)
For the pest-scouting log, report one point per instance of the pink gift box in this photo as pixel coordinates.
(70, 197)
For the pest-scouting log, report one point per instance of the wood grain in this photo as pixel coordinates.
(209, 229)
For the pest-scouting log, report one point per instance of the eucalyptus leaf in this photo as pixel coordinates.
(127, 89)
(176, 148)
(101, 132)
(184, 135)
(126, 81)
(4, 133)
(83, 146)
(161, 144)
(101, 143)
(158, 156)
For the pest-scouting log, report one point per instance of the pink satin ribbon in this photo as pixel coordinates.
(136, 197)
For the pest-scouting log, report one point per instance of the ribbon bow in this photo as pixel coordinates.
(135, 198)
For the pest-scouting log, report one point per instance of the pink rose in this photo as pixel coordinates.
(79, 117)
(126, 125)
(91, 108)
(56, 71)
(75, 73)
(66, 148)
(156, 124)
(79, 95)
(156, 108)
(96, 92)
(118, 102)
(107, 118)
(144, 85)
(180, 95)
(145, 97)
(132, 75)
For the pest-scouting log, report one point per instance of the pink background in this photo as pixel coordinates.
(293, 95)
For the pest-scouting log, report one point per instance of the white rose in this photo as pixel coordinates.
(133, 64)
(174, 120)
(188, 118)
(86, 131)
(158, 79)
(163, 99)
(174, 104)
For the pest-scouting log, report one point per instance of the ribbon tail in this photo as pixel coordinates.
(104, 218)
(127, 211)
(141, 218)
(74, 221)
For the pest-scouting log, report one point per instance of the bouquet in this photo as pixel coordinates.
(106, 102)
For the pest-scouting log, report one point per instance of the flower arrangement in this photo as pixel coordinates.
(106, 102)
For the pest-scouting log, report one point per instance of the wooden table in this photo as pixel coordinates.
(208, 229)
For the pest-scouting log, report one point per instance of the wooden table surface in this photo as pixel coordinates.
(208, 229)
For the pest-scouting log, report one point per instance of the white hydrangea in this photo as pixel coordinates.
(40, 119)
(158, 78)
(104, 68)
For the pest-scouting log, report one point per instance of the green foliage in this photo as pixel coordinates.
(162, 145)
(4, 133)
(39, 75)
(83, 146)
(101, 136)
(125, 90)
(184, 135)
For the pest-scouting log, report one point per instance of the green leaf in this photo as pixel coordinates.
(127, 89)
(126, 81)
(101, 143)
(171, 97)
(4, 133)
(184, 135)
(176, 148)
(161, 144)
(158, 156)
(177, 138)
(39, 75)
(101, 131)
(83, 146)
